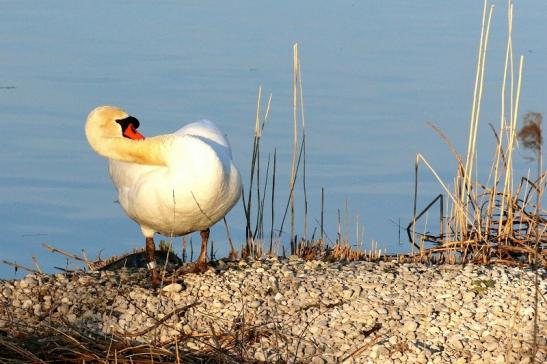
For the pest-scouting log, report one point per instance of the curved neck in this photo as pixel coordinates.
(149, 151)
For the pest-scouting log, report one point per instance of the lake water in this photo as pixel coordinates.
(373, 74)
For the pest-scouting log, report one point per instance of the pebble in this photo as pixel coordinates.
(410, 326)
(426, 314)
(172, 288)
(468, 297)
(259, 355)
(254, 304)
(455, 342)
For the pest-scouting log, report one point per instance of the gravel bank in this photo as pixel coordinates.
(305, 311)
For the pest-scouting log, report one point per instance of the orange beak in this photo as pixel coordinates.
(132, 133)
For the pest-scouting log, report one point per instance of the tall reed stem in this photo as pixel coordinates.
(295, 141)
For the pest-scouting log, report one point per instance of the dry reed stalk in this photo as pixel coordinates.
(303, 119)
(505, 230)
(322, 213)
(469, 172)
(357, 229)
(499, 148)
(476, 100)
(36, 264)
(291, 193)
(68, 255)
(18, 266)
(460, 209)
(270, 251)
(295, 142)
(258, 231)
(339, 238)
(503, 122)
(259, 227)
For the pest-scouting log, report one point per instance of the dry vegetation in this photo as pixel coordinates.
(61, 342)
(500, 221)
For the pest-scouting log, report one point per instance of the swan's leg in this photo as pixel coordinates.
(151, 255)
(202, 260)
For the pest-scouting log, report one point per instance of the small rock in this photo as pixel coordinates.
(63, 309)
(259, 355)
(172, 288)
(443, 296)
(317, 360)
(254, 304)
(500, 359)
(410, 326)
(71, 317)
(468, 297)
(492, 346)
(381, 311)
(7, 292)
(455, 342)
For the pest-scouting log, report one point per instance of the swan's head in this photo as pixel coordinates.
(107, 124)
(111, 122)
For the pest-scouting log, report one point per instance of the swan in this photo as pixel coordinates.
(171, 184)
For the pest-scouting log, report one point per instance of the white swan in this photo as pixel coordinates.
(171, 184)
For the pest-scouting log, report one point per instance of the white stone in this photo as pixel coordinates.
(410, 326)
(259, 355)
(172, 288)
(455, 342)
(254, 304)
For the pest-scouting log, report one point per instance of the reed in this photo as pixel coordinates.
(254, 197)
(295, 143)
(497, 221)
(303, 119)
(270, 251)
(255, 230)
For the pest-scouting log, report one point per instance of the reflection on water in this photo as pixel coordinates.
(373, 74)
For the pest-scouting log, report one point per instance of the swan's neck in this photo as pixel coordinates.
(149, 151)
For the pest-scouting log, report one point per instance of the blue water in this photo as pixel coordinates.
(373, 74)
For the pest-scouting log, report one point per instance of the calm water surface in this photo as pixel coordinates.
(374, 73)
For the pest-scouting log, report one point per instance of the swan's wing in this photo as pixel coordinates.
(208, 131)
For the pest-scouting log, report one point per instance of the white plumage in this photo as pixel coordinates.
(171, 184)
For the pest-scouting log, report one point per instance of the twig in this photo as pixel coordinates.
(363, 348)
(69, 255)
(19, 266)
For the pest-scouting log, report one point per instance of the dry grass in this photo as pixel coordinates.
(500, 221)
(60, 341)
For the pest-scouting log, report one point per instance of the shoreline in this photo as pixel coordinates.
(293, 310)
